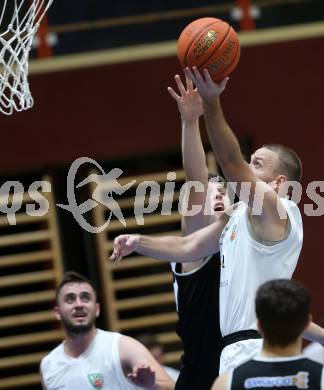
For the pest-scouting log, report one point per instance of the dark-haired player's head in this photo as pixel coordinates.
(76, 303)
(218, 194)
(283, 311)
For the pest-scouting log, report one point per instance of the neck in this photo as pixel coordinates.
(76, 344)
(292, 349)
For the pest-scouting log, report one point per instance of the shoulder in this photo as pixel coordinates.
(289, 204)
(295, 229)
(314, 351)
(132, 350)
(50, 363)
(126, 342)
(51, 357)
(108, 343)
(292, 210)
(236, 210)
(105, 337)
(312, 362)
(235, 214)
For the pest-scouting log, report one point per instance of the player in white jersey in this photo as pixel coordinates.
(260, 241)
(90, 358)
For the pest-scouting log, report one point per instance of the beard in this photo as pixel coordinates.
(78, 329)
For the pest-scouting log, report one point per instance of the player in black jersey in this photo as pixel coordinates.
(197, 283)
(198, 325)
(283, 313)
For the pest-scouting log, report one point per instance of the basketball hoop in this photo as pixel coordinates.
(19, 22)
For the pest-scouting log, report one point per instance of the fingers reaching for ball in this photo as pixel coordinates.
(207, 88)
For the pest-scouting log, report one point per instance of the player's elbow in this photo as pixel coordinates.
(194, 174)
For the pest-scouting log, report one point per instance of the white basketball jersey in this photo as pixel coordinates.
(96, 368)
(246, 264)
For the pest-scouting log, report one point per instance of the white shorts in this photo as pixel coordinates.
(235, 354)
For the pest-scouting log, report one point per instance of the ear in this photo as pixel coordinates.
(97, 310)
(57, 313)
(260, 328)
(279, 180)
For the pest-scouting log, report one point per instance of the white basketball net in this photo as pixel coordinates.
(19, 21)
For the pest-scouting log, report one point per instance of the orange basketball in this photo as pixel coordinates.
(209, 43)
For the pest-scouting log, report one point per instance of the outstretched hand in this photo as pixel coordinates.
(142, 376)
(207, 88)
(189, 101)
(124, 245)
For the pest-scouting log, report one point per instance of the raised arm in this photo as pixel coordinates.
(314, 333)
(141, 368)
(227, 150)
(193, 155)
(202, 243)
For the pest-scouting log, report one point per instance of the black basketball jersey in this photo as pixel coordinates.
(279, 373)
(198, 324)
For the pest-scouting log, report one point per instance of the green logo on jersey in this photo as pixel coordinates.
(96, 380)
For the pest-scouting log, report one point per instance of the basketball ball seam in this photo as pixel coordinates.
(193, 39)
(220, 43)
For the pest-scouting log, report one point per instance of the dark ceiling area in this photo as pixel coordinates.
(86, 25)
